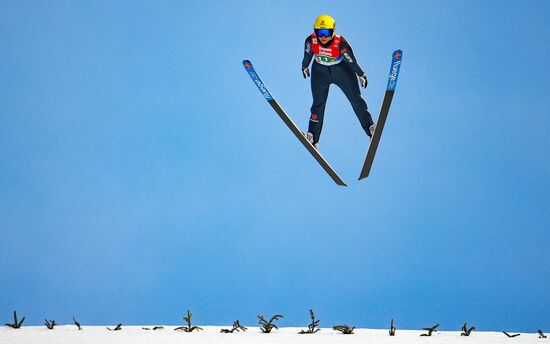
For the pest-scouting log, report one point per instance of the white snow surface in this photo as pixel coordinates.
(211, 334)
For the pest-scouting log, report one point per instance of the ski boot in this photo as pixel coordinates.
(372, 128)
(309, 137)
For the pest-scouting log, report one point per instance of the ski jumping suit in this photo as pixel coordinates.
(328, 69)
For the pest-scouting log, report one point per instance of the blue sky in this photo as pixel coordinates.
(142, 173)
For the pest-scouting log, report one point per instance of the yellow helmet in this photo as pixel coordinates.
(325, 22)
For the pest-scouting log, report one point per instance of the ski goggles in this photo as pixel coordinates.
(324, 32)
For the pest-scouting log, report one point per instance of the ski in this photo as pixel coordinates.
(390, 90)
(290, 123)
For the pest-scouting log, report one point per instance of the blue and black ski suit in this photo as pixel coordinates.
(334, 64)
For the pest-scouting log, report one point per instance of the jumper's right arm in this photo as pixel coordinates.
(308, 55)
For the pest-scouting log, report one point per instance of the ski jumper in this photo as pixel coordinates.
(328, 69)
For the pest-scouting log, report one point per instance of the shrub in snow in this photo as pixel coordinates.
(465, 331)
(50, 324)
(267, 326)
(345, 329)
(510, 335)
(541, 334)
(430, 330)
(236, 327)
(16, 324)
(117, 328)
(188, 328)
(154, 328)
(312, 327)
(392, 329)
(77, 323)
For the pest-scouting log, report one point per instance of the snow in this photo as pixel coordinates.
(211, 334)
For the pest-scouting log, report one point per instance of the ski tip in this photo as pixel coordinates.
(394, 70)
(397, 55)
(247, 64)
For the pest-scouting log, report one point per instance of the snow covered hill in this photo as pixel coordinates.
(211, 334)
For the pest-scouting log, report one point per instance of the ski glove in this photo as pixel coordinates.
(305, 72)
(364, 81)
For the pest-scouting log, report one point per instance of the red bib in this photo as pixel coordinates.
(327, 56)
